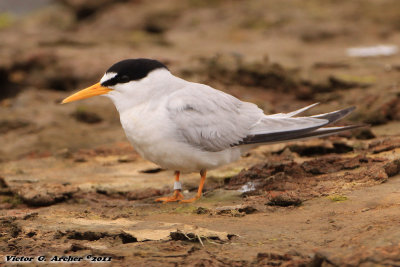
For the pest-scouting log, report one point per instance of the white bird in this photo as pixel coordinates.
(186, 126)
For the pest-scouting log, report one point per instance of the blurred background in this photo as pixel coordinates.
(279, 54)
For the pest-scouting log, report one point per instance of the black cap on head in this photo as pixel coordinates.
(131, 70)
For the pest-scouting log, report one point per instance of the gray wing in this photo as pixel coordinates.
(210, 119)
(213, 120)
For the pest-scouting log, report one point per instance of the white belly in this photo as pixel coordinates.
(153, 137)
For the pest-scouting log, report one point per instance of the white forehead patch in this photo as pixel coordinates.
(108, 76)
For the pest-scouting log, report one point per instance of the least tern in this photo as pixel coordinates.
(187, 126)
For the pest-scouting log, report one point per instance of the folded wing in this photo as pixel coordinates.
(213, 121)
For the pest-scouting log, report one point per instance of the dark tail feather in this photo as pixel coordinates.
(277, 137)
(335, 115)
(317, 133)
(327, 131)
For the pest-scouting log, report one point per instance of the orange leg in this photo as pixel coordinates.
(203, 174)
(177, 193)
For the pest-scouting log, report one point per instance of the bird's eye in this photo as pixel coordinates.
(123, 79)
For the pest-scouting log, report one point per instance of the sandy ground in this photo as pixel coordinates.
(71, 184)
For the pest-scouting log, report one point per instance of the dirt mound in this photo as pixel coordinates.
(285, 180)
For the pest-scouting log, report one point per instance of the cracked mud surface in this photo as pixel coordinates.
(70, 184)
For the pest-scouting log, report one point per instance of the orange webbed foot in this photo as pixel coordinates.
(177, 196)
(190, 200)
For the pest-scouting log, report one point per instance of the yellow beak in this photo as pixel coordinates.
(93, 90)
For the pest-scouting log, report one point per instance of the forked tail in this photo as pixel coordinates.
(284, 127)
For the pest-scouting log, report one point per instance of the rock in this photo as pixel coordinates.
(230, 211)
(248, 209)
(236, 211)
(45, 195)
(201, 210)
(392, 168)
(283, 200)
